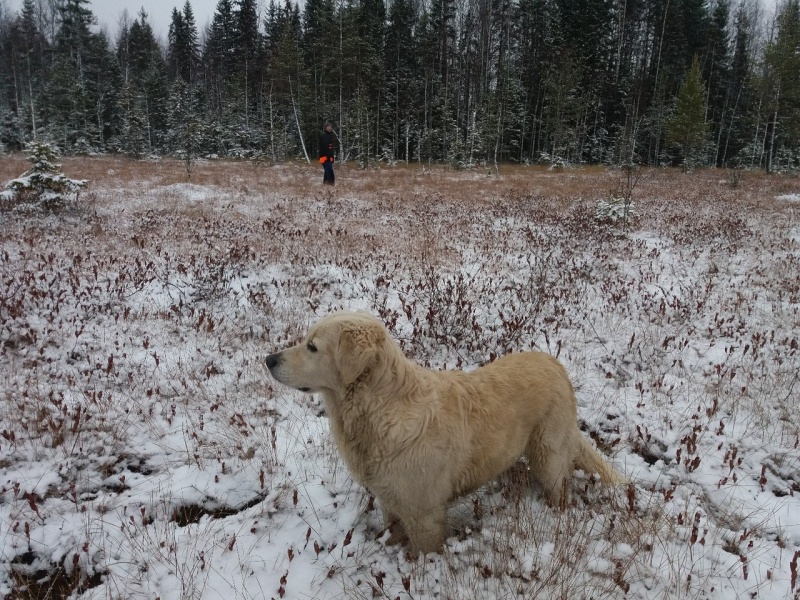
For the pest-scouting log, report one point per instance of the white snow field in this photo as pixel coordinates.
(146, 453)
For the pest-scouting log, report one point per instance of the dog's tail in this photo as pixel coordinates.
(589, 460)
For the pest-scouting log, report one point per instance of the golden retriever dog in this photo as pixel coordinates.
(418, 438)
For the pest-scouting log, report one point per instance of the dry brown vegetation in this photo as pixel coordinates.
(300, 178)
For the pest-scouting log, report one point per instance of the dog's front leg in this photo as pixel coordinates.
(397, 532)
(426, 529)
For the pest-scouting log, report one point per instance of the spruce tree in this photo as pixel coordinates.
(739, 125)
(69, 95)
(247, 50)
(319, 44)
(27, 50)
(190, 63)
(536, 41)
(183, 56)
(184, 123)
(402, 67)
(176, 46)
(133, 137)
(286, 84)
(221, 47)
(717, 71)
(148, 75)
(587, 80)
(783, 90)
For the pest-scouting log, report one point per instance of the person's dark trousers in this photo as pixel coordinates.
(329, 178)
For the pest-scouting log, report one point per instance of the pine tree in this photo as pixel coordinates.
(370, 31)
(687, 128)
(591, 22)
(484, 80)
(563, 106)
(104, 83)
(319, 43)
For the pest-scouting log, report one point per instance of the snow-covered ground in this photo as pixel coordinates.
(146, 453)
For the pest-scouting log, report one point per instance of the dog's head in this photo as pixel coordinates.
(338, 351)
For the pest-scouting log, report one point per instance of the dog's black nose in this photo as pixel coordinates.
(273, 360)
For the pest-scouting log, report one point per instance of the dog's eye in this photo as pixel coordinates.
(311, 347)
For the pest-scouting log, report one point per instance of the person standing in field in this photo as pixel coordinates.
(327, 152)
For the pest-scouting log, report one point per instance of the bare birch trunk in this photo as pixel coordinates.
(297, 122)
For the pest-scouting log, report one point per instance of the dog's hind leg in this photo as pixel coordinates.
(552, 464)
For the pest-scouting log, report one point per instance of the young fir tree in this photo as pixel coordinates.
(43, 185)
(687, 128)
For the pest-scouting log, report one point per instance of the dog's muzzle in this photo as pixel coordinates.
(273, 360)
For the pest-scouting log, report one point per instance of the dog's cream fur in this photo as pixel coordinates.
(417, 438)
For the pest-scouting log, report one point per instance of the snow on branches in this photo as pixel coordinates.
(43, 185)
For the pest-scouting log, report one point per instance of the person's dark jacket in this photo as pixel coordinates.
(327, 145)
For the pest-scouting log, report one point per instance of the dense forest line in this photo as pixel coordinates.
(464, 82)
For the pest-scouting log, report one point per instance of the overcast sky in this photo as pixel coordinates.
(108, 12)
(158, 12)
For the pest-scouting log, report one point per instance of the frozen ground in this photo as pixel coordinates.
(145, 452)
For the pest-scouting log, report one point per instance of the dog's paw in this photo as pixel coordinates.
(397, 536)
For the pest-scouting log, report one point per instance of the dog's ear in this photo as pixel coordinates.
(359, 348)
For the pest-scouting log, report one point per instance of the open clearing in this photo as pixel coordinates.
(146, 453)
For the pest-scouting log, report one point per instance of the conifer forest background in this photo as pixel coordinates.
(460, 82)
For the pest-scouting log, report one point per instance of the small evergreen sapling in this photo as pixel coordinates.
(43, 184)
(614, 210)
